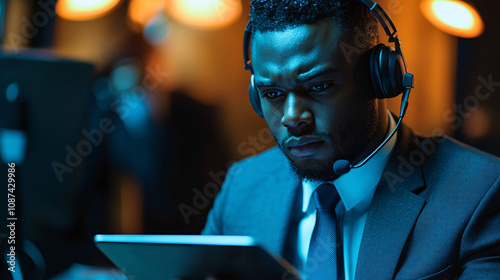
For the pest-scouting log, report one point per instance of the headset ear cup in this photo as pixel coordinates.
(375, 71)
(254, 97)
(397, 70)
(387, 71)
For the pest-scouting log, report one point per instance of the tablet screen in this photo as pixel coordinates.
(192, 257)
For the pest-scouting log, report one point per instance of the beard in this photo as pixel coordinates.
(350, 144)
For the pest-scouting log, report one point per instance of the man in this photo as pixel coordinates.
(420, 208)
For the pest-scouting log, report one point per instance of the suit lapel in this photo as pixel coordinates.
(393, 213)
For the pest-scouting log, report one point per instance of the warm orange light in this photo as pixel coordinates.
(206, 14)
(454, 17)
(141, 11)
(80, 10)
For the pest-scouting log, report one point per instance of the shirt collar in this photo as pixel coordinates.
(357, 184)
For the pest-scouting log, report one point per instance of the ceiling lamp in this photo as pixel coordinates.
(81, 10)
(205, 14)
(454, 17)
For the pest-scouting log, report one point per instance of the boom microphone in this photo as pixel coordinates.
(341, 167)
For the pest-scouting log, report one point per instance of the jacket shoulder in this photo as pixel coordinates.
(463, 160)
(454, 167)
(250, 185)
(260, 166)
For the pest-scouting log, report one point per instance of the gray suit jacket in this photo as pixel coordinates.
(435, 213)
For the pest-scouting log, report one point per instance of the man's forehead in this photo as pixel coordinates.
(296, 50)
(322, 31)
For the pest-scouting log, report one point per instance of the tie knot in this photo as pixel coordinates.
(326, 196)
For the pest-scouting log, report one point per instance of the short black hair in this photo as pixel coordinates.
(351, 16)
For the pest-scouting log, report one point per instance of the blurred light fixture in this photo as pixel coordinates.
(205, 14)
(81, 10)
(142, 11)
(457, 18)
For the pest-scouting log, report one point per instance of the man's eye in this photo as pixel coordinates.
(319, 87)
(272, 94)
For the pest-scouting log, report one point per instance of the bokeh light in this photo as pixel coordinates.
(141, 11)
(454, 17)
(205, 14)
(82, 10)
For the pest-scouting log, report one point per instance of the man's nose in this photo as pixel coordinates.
(295, 113)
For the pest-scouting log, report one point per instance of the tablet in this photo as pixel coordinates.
(192, 257)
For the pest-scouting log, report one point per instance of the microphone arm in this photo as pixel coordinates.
(342, 166)
(404, 106)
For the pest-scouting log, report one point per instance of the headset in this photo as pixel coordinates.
(389, 76)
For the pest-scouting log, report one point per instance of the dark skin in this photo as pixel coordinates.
(310, 100)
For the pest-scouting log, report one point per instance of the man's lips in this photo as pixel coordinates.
(304, 146)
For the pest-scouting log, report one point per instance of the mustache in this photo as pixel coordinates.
(323, 134)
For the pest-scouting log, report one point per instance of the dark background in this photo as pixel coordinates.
(150, 173)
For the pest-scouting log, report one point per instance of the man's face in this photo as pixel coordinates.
(309, 100)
